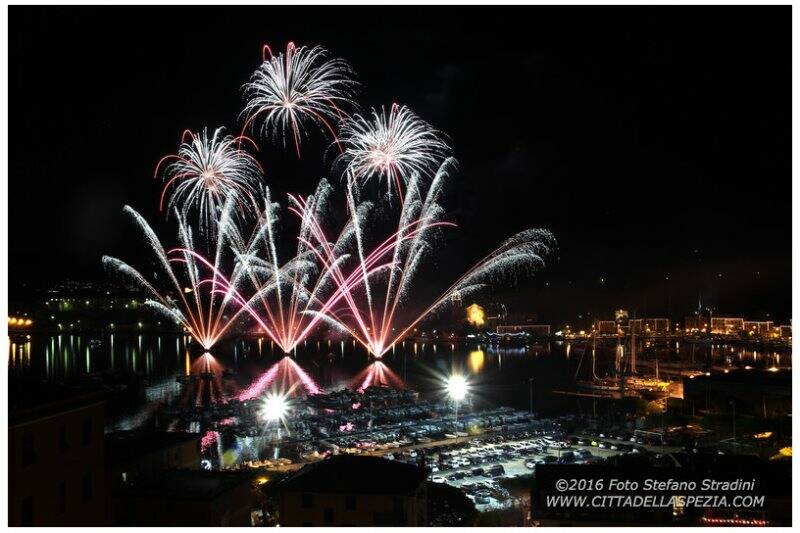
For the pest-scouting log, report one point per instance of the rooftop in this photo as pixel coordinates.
(193, 485)
(30, 400)
(356, 475)
(124, 446)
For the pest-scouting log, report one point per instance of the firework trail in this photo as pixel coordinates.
(205, 314)
(206, 171)
(299, 87)
(390, 147)
(289, 300)
(369, 310)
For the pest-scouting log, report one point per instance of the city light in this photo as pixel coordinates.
(475, 315)
(457, 387)
(275, 407)
(19, 322)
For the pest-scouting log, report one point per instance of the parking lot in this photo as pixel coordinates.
(476, 465)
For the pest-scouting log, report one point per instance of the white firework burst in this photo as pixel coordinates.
(205, 172)
(393, 147)
(291, 90)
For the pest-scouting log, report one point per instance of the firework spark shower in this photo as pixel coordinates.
(297, 88)
(207, 170)
(372, 305)
(359, 279)
(391, 147)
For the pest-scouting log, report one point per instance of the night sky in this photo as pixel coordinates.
(654, 142)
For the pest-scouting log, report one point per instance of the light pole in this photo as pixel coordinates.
(530, 386)
(274, 409)
(457, 389)
(733, 404)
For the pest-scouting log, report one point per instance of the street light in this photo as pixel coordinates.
(530, 384)
(733, 404)
(457, 388)
(275, 407)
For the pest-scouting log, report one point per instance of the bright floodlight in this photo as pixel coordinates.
(457, 387)
(275, 407)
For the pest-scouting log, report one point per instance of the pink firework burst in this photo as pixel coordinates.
(297, 88)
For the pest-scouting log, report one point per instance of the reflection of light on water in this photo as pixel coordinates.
(476, 361)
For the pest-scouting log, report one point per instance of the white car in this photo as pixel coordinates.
(438, 479)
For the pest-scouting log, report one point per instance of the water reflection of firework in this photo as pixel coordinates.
(206, 385)
(377, 375)
(285, 376)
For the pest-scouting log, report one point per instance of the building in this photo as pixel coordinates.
(476, 315)
(536, 330)
(721, 325)
(348, 490)
(695, 324)
(761, 393)
(133, 456)
(656, 326)
(186, 498)
(56, 456)
(758, 328)
(786, 332)
(605, 327)
(647, 326)
(621, 317)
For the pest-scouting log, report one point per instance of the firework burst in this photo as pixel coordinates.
(294, 89)
(391, 147)
(207, 170)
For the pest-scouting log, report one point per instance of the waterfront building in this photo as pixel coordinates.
(605, 327)
(757, 327)
(721, 325)
(695, 324)
(536, 330)
(656, 326)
